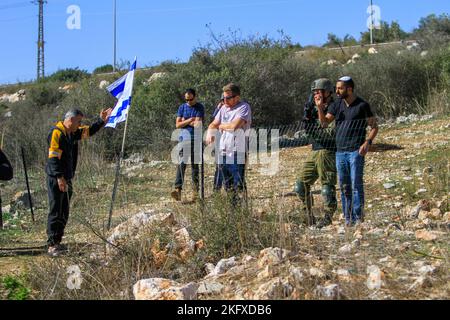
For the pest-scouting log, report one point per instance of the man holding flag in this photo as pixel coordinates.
(63, 153)
(61, 165)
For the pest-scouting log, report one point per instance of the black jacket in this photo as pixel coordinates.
(6, 170)
(319, 137)
(63, 149)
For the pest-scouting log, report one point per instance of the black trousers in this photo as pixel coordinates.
(59, 203)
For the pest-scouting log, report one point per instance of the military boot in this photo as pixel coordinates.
(176, 194)
(325, 221)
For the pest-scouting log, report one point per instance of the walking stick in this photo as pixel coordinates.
(28, 185)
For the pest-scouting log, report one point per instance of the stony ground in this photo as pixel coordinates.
(401, 251)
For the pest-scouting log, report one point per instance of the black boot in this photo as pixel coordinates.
(325, 221)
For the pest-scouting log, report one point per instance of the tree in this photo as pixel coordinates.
(396, 33)
(385, 33)
(434, 25)
(332, 40)
(349, 40)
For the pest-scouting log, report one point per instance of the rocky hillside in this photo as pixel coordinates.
(159, 249)
(399, 252)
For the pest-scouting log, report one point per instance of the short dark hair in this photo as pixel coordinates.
(234, 88)
(190, 91)
(347, 81)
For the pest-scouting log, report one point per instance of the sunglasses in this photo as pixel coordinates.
(189, 99)
(229, 98)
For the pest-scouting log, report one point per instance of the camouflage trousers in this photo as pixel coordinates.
(320, 164)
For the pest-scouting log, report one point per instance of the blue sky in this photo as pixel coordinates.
(156, 31)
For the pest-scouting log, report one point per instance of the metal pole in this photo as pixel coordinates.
(202, 175)
(116, 179)
(1, 213)
(28, 185)
(114, 40)
(371, 22)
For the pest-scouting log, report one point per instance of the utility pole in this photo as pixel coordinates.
(40, 42)
(114, 41)
(371, 22)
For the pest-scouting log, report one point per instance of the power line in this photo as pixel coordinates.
(18, 18)
(15, 5)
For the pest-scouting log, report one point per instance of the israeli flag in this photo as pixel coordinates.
(121, 89)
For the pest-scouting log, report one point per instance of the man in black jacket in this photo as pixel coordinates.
(61, 165)
(6, 170)
(6, 173)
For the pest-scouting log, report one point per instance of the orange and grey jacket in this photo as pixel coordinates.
(63, 148)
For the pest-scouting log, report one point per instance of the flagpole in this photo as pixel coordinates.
(115, 34)
(129, 88)
(371, 22)
(116, 179)
(124, 135)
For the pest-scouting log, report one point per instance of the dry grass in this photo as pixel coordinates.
(265, 222)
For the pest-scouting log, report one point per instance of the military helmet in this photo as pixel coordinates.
(322, 84)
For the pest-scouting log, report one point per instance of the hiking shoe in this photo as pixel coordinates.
(176, 194)
(54, 251)
(324, 222)
(62, 247)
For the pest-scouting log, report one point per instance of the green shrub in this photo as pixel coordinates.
(16, 289)
(103, 69)
(67, 75)
(45, 94)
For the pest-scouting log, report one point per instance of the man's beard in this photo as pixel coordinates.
(343, 96)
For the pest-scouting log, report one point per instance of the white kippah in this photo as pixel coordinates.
(345, 78)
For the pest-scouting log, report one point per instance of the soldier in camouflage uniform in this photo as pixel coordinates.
(321, 162)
